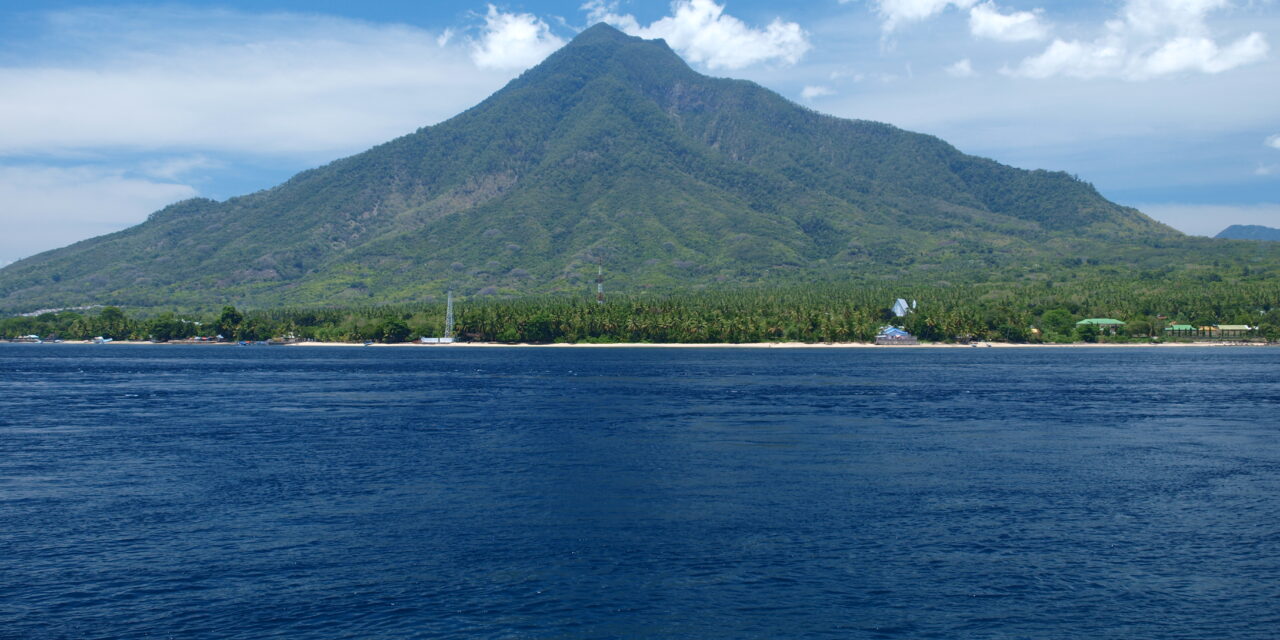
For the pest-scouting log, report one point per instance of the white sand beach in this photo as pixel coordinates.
(773, 345)
(702, 345)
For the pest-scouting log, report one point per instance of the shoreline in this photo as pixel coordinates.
(699, 345)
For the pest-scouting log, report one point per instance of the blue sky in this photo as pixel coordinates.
(109, 111)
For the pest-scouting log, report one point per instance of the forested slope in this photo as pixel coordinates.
(614, 152)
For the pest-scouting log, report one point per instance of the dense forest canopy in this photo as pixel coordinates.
(1036, 313)
(614, 153)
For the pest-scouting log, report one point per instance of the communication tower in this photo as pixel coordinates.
(448, 317)
(599, 284)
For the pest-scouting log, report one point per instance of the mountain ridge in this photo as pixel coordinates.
(612, 151)
(1249, 232)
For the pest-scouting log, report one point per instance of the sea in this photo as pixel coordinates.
(351, 492)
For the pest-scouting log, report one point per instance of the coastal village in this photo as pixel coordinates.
(231, 328)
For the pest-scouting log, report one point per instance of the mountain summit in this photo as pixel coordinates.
(611, 152)
(1249, 232)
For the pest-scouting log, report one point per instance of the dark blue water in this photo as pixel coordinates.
(189, 492)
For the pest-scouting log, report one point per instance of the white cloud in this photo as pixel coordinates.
(986, 21)
(815, 91)
(1267, 170)
(961, 69)
(280, 84)
(1209, 219)
(57, 206)
(161, 91)
(1202, 54)
(894, 13)
(513, 41)
(1136, 141)
(1183, 17)
(1151, 38)
(603, 11)
(175, 168)
(704, 34)
(1274, 141)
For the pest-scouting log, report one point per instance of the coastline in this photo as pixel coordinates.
(778, 345)
(702, 345)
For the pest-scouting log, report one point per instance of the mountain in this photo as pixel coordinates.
(611, 152)
(1249, 232)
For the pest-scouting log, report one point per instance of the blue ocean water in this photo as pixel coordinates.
(274, 492)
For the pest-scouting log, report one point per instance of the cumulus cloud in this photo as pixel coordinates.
(179, 79)
(169, 94)
(1114, 134)
(1150, 38)
(603, 11)
(894, 13)
(1274, 141)
(513, 41)
(1159, 16)
(986, 21)
(704, 34)
(961, 69)
(55, 206)
(815, 91)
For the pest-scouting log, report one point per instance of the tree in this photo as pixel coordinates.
(1269, 331)
(393, 330)
(112, 323)
(1059, 321)
(255, 328)
(228, 324)
(1086, 333)
(1012, 333)
(165, 327)
(1140, 328)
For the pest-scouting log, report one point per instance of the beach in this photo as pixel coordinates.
(701, 345)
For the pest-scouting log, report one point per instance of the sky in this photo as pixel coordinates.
(110, 111)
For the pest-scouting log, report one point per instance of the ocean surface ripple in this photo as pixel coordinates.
(271, 492)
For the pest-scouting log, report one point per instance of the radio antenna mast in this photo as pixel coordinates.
(448, 317)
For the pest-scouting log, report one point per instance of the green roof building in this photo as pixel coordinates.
(1181, 331)
(1103, 325)
(1214, 331)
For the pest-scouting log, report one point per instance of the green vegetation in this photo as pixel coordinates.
(1249, 232)
(808, 314)
(614, 152)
